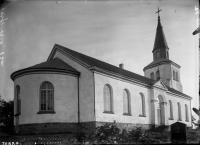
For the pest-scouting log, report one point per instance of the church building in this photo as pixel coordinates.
(72, 90)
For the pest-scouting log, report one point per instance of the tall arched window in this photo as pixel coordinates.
(152, 76)
(174, 77)
(126, 102)
(157, 74)
(46, 97)
(18, 100)
(107, 93)
(142, 104)
(179, 112)
(177, 76)
(186, 113)
(170, 109)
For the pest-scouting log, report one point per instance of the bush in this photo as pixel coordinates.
(111, 134)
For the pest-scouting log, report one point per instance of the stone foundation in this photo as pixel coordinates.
(71, 128)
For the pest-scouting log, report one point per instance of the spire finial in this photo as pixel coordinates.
(158, 12)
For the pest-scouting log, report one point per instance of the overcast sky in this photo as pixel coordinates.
(112, 31)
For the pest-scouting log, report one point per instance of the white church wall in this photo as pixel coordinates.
(176, 84)
(182, 102)
(65, 98)
(118, 86)
(86, 88)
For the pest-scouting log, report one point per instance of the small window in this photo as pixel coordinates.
(174, 77)
(186, 113)
(177, 77)
(157, 74)
(142, 104)
(107, 93)
(167, 55)
(152, 76)
(18, 100)
(126, 103)
(46, 97)
(179, 112)
(170, 109)
(157, 54)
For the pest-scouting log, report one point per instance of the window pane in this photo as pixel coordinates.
(107, 98)
(125, 102)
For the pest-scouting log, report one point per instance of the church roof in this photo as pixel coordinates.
(159, 62)
(160, 41)
(54, 63)
(92, 62)
(177, 92)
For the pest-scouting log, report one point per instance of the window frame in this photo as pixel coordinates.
(171, 110)
(152, 75)
(47, 97)
(186, 113)
(18, 100)
(128, 102)
(143, 108)
(111, 107)
(179, 112)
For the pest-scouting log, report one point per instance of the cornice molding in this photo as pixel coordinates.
(29, 71)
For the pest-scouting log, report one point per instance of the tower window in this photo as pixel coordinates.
(152, 76)
(157, 74)
(157, 54)
(167, 55)
(177, 79)
(174, 77)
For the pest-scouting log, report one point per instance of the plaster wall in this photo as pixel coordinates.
(165, 73)
(182, 102)
(65, 98)
(117, 87)
(86, 88)
(176, 84)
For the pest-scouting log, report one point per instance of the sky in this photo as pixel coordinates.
(112, 31)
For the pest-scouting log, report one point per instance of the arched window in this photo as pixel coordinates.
(126, 102)
(179, 112)
(18, 100)
(170, 109)
(142, 104)
(186, 113)
(177, 76)
(152, 76)
(157, 54)
(157, 74)
(174, 77)
(46, 97)
(107, 93)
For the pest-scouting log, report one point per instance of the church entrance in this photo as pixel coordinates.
(160, 111)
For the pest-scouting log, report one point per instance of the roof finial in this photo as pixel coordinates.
(158, 12)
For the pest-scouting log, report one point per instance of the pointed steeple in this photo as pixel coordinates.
(160, 49)
(160, 41)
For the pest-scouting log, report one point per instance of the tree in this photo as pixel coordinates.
(6, 116)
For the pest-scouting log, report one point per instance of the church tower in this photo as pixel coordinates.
(162, 67)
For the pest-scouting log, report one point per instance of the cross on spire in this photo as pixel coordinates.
(158, 11)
